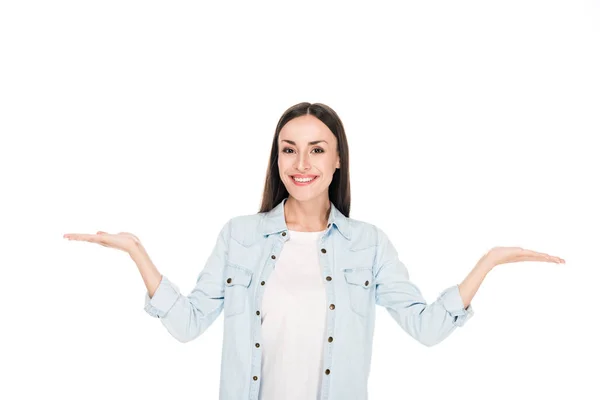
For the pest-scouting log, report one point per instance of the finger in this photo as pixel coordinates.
(535, 253)
(101, 233)
(542, 258)
(83, 237)
(527, 252)
(77, 236)
(531, 258)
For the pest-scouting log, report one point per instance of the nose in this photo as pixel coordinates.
(303, 163)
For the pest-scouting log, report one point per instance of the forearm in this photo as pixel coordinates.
(148, 270)
(469, 286)
(186, 317)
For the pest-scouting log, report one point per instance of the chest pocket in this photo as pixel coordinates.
(237, 282)
(359, 282)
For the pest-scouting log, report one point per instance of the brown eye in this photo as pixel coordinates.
(316, 148)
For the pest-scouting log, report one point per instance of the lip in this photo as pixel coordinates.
(303, 176)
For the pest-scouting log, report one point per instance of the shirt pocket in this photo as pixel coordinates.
(237, 282)
(359, 282)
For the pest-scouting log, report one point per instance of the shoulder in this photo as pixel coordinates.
(244, 229)
(365, 234)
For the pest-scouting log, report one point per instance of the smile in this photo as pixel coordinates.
(304, 181)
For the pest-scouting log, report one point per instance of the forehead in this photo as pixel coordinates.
(306, 128)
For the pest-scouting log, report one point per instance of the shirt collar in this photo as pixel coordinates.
(274, 220)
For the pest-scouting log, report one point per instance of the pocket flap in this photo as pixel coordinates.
(237, 275)
(359, 276)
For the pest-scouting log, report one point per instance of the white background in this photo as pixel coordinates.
(471, 124)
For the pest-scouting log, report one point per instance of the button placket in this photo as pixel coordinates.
(258, 301)
(330, 296)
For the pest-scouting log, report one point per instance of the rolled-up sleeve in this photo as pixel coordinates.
(163, 300)
(453, 304)
(187, 317)
(427, 323)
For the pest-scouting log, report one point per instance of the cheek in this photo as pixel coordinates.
(282, 168)
(284, 163)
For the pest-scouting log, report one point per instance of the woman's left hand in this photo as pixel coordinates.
(506, 255)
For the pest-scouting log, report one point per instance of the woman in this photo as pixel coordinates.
(299, 280)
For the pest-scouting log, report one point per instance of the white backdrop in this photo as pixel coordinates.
(471, 125)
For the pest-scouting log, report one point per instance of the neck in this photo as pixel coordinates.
(307, 216)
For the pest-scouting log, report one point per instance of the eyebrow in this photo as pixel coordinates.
(310, 143)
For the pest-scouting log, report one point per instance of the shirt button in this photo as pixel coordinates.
(328, 225)
(330, 339)
(282, 233)
(273, 256)
(366, 283)
(332, 306)
(328, 278)
(327, 372)
(258, 313)
(228, 280)
(257, 345)
(262, 283)
(255, 378)
(323, 251)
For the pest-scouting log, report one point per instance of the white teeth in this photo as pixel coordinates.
(303, 180)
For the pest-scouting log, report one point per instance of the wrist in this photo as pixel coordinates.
(485, 264)
(135, 250)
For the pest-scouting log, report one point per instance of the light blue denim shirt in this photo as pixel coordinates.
(360, 269)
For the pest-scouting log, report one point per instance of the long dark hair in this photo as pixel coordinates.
(339, 188)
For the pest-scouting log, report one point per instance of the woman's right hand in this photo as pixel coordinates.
(124, 241)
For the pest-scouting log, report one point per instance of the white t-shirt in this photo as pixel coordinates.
(293, 322)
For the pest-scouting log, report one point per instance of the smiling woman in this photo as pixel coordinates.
(308, 163)
(299, 280)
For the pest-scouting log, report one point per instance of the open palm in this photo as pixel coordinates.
(124, 241)
(505, 255)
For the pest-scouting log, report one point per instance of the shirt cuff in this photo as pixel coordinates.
(164, 298)
(453, 303)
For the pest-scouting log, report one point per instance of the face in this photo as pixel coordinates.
(307, 149)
